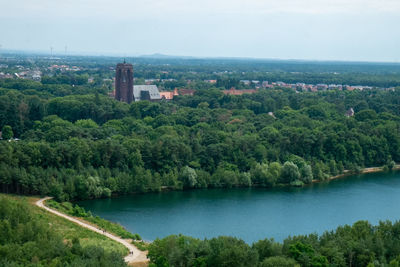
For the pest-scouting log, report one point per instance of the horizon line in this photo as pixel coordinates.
(158, 55)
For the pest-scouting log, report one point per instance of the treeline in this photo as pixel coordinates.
(26, 239)
(66, 79)
(90, 146)
(354, 79)
(48, 90)
(359, 245)
(86, 183)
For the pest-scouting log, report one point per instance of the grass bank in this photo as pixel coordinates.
(69, 230)
(79, 212)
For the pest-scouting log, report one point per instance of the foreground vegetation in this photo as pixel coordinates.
(30, 236)
(359, 245)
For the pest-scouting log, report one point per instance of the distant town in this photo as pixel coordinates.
(36, 73)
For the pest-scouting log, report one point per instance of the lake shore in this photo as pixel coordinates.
(238, 212)
(363, 171)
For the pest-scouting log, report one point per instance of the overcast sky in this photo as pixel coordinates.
(365, 30)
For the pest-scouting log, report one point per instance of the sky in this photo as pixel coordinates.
(349, 30)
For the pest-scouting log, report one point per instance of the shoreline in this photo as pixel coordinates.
(363, 171)
(165, 189)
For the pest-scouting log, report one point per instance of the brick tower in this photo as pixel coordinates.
(124, 82)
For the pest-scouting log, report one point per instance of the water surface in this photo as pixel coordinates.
(254, 214)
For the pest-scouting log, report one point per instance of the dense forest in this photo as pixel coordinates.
(77, 143)
(359, 245)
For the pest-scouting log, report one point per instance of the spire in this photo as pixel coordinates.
(124, 61)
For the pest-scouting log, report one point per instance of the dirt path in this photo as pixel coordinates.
(137, 257)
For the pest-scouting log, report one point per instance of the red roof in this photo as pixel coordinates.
(169, 94)
(187, 91)
(233, 91)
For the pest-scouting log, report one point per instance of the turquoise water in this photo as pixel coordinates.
(254, 214)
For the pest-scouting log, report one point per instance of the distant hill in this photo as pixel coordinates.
(163, 56)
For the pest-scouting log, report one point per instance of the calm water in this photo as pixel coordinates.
(254, 214)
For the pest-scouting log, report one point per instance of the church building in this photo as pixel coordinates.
(125, 91)
(124, 82)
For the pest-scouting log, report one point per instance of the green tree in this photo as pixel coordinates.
(7, 132)
(306, 255)
(290, 173)
(188, 176)
(278, 261)
(274, 172)
(333, 168)
(267, 248)
(230, 251)
(306, 174)
(259, 174)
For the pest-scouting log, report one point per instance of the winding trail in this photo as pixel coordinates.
(137, 257)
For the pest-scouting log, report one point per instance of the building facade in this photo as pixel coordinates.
(124, 82)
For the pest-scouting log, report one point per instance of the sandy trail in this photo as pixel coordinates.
(137, 256)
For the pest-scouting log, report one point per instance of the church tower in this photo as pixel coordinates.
(124, 82)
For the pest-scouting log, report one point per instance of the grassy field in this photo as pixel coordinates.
(70, 230)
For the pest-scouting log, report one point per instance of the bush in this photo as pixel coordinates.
(278, 261)
(297, 183)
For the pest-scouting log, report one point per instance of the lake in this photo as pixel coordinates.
(254, 214)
